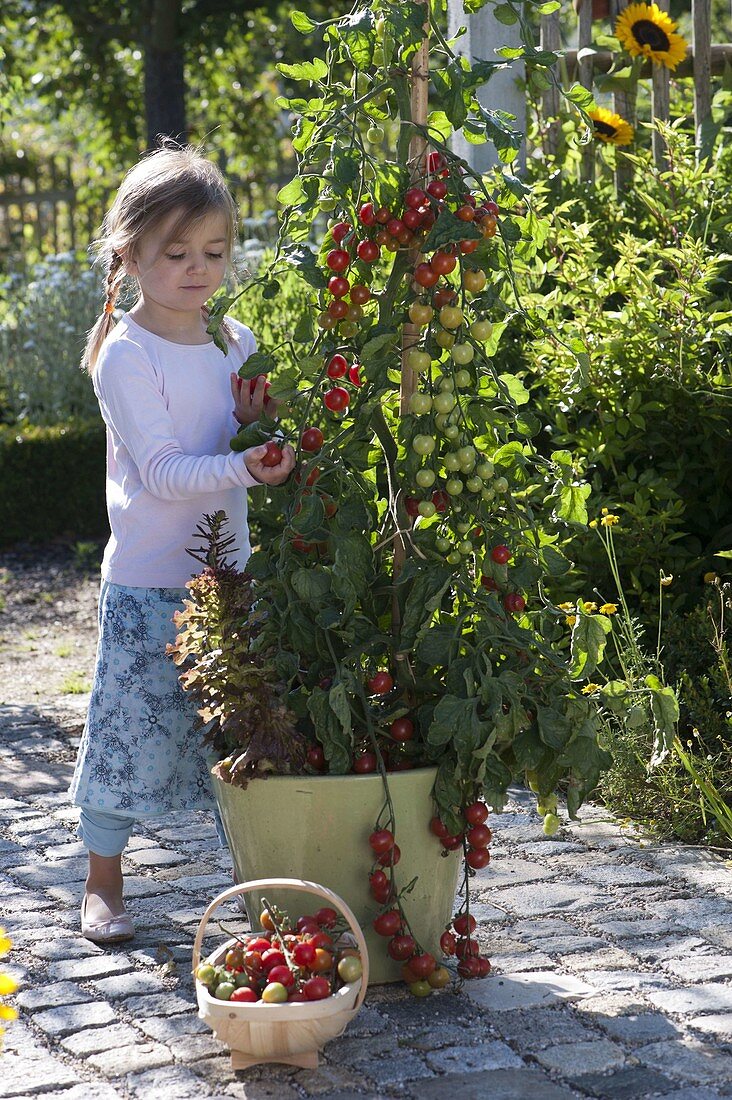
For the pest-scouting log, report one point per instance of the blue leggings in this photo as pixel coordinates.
(107, 834)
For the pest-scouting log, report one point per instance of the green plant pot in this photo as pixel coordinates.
(317, 828)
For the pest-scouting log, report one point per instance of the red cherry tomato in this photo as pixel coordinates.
(412, 219)
(381, 840)
(402, 729)
(338, 259)
(436, 163)
(465, 948)
(272, 456)
(336, 399)
(395, 226)
(365, 763)
(390, 858)
(340, 230)
(360, 294)
(368, 251)
(338, 286)
(414, 198)
(307, 924)
(469, 968)
(402, 948)
(312, 439)
(380, 684)
(388, 923)
(501, 554)
(354, 376)
(244, 995)
(443, 263)
(452, 843)
(303, 954)
(337, 366)
(367, 214)
(383, 214)
(514, 602)
(425, 275)
(448, 943)
(477, 858)
(316, 757)
(489, 583)
(411, 506)
(479, 836)
(423, 965)
(440, 499)
(461, 924)
(321, 940)
(281, 974)
(476, 814)
(316, 989)
(437, 189)
(273, 957)
(438, 828)
(484, 966)
(326, 917)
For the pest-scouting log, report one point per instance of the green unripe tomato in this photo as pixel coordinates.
(445, 339)
(474, 484)
(374, 135)
(481, 330)
(205, 973)
(551, 825)
(440, 421)
(369, 172)
(500, 484)
(420, 403)
(454, 486)
(242, 980)
(444, 402)
(451, 431)
(446, 383)
(464, 527)
(485, 469)
(465, 547)
(425, 478)
(326, 204)
(224, 990)
(462, 379)
(348, 329)
(442, 545)
(462, 354)
(350, 969)
(451, 317)
(419, 360)
(426, 508)
(423, 444)
(422, 988)
(451, 462)
(488, 494)
(466, 456)
(453, 558)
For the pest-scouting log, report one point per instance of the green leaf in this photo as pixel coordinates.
(554, 561)
(554, 728)
(310, 517)
(452, 716)
(615, 696)
(437, 645)
(665, 710)
(336, 739)
(571, 506)
(302, 22)
(516, 389)
(259, 362)
(304, 70)
(377, 346)
(292, 192)
(589, 638)
(447, 230)
(301, 258)
(423, 600)
(311, 585)
(358, 33)
(506, 14)
(582, 96)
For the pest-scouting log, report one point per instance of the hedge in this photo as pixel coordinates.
(52, 482)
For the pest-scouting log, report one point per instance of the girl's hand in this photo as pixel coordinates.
(248, 406)
(269, 475)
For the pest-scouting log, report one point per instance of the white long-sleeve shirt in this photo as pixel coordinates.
(169, 416)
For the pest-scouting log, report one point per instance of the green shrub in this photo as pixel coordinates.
(52, 482)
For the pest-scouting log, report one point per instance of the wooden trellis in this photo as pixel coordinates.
(703, 60)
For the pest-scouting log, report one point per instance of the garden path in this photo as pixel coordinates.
(612, 955)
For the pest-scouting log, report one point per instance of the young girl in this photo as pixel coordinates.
(170, 401)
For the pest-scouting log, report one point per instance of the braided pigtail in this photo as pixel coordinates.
(103, 325)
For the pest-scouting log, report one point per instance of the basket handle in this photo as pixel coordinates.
(301, 886)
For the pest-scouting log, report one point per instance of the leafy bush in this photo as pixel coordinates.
(53, 482)
(42, 334)
(628, 361)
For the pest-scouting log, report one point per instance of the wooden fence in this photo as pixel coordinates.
(703, 60)
(45, 211)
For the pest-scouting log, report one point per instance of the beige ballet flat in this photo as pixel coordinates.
(116, 930)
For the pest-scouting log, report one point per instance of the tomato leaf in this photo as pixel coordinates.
(304, 70)
(589, 638)
(447, 230)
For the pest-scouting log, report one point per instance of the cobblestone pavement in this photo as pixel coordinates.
(612, 966)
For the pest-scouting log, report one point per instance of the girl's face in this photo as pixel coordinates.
(181, 275)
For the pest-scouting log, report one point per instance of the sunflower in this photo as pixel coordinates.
(646, 31)
(610, 128)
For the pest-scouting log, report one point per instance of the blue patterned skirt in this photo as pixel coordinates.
(140, 753)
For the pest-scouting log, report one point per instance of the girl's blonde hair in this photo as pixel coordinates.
(171, 178)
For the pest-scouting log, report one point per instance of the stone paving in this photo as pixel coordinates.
(612, 965)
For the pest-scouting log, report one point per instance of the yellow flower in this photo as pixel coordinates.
(565, 606)
(667, 580)
(571, 620)
(588, 608)
(593, 523)
(5, 943)
(609, 520)
(589, 688)
(608, 609)
(7, 985)
(609, 127)
(646, 31)
(8, 1013)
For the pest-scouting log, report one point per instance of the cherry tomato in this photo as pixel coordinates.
(338, 309)
(321, 939)
(452, 843)
(307, 924)
(477, 858)
(438, 828)
(316, 989)
(273, 957)
(388, 923)
(514, 602)
(312, 439)
(380, 683)
(367, 214)
(380, 886)
(392, 857)
(303, 954)
(440, 499)
(368, 251)
(461, 924)
(272, 456)
(489, 583)
(468, 246)
(350, 969)
(443, 297)
(354, 376)
(425, 275)
(439, 978)
(381, 840)
(402, 729)
(336, 399)
(337, 366)
(436, 163)
(476, 814)
(401, 948)
(360, 294)
(465, 947)
(412, 219)
(283, 975)
(338, 286)
(501, 554)
(337, 259)
(322, 962)
(395, 226)
(411, 506)
(244, 995)
(423, 965)
(469, 968)
(414, 198)
(326, 917)
(316, 757)
(340, 230)
(437, 189)
(365, 763)
(443, 263)
(479, 836)
(448, 942)
(383, 214)
(484, 966)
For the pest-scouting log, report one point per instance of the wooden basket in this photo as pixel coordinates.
(289, 1033)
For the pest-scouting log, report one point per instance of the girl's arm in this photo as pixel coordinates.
(133, 407)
